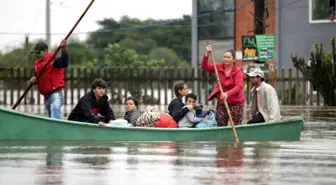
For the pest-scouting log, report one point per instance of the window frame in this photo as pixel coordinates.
(212, 15)
(311, 21)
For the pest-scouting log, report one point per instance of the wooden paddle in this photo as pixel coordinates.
(52, 57)
(225, 102)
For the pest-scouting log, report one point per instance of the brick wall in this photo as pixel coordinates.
(244, 21)
(244, 24)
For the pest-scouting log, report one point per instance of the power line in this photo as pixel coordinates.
(141, 26)
(37, 15)
(163, 23)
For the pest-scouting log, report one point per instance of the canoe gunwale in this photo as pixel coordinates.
(146, 128)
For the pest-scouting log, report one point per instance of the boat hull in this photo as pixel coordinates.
(21, 126)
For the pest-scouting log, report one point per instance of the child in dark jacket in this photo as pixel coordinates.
(93, 107)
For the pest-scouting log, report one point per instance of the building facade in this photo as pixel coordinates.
(296, 24)
(214, 25)
(300, 25)
(222, 23)
(244, 25)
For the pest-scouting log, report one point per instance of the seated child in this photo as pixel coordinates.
(191, 120)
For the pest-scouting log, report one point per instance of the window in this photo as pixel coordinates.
(215, 24)
(321, 11)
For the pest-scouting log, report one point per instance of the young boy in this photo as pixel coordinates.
(190, 119)
(92, 104)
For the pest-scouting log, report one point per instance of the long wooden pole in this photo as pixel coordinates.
(225, 102)
(52, 57)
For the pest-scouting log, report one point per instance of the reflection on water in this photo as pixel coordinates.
(309, 161)
(88, 156)
(51, 173)
(229, 156)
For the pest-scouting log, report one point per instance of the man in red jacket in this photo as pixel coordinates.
(51, 82)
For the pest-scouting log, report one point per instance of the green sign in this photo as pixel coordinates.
(249, 44)
(258, 47)
(266, 47)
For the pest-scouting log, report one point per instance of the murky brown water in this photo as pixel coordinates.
(309, 161)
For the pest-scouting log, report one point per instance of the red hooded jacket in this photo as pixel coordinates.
(232, 83)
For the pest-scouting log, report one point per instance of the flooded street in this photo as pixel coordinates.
(309, 161)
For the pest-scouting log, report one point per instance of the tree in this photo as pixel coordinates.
(169, 56)
(18, 57)
(129, 59)
(80, 54)
(117, 56)
(321, 71)
(141, 46)
(139, 38)
(142, 37)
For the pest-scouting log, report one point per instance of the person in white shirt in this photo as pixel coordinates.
(265, 104)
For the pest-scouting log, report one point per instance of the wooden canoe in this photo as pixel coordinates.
(16, 125)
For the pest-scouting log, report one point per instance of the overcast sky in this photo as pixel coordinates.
(28, 16)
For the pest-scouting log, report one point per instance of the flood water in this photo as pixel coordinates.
(309, 161)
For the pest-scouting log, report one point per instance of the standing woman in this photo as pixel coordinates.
(231, 78)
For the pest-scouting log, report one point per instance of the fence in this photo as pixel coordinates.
(149, 86)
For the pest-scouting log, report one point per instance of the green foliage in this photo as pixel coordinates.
(168, 55)
(91, 64)
(141, 46)
(117, 56)
(159, 46)
(79, 53)
(321, 71)
(17, 57)
(176, 36)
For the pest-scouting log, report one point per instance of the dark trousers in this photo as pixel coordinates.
(256, 119)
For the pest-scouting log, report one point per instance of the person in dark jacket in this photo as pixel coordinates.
(132, 112)
(92, 104)
(176, 106)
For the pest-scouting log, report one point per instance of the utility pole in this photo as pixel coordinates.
(259, 18)
(48, 22)
(194, 41)
(26, 50)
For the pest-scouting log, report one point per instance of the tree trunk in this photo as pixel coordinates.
(329, 97)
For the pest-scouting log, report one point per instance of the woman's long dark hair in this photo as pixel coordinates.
(177, 87)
